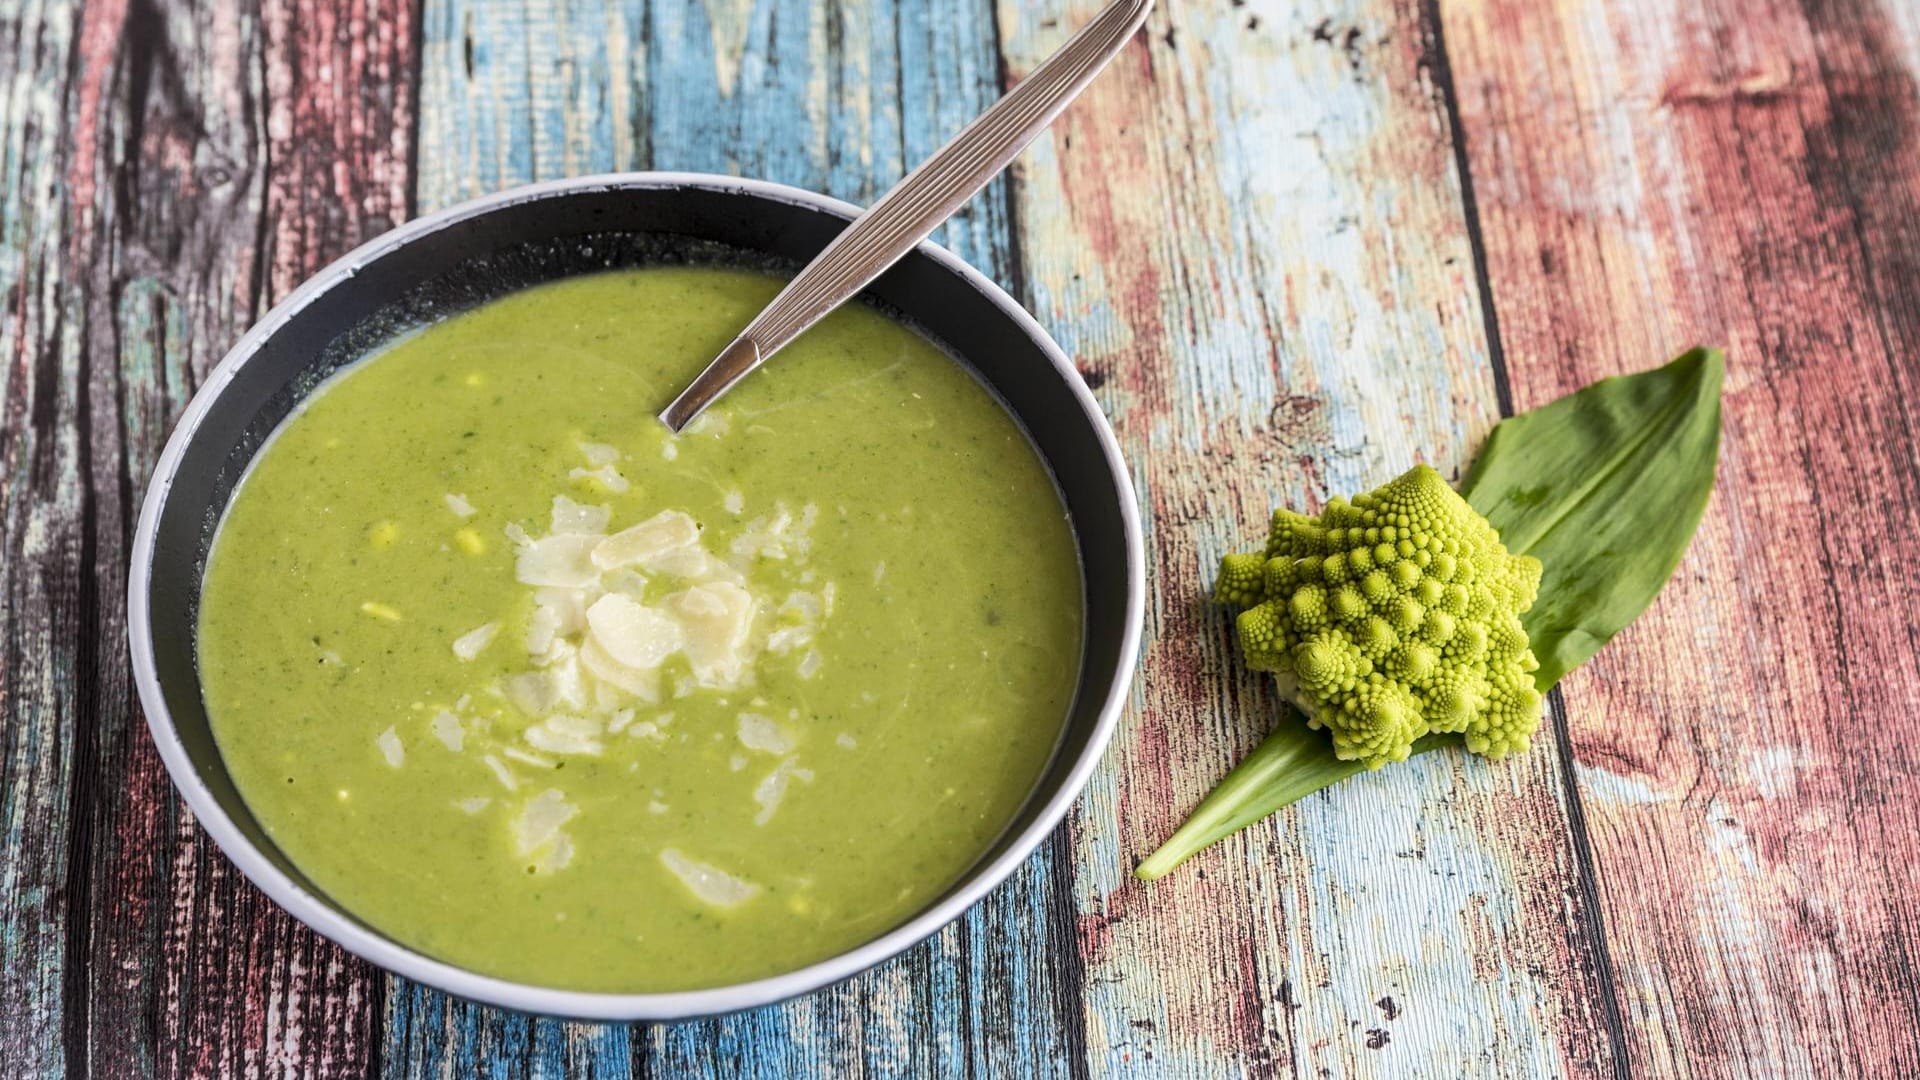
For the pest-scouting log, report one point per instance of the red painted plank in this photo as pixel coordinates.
(1748, 172)
(219, 155)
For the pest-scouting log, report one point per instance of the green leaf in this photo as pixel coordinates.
(1293, 762)
(1605, 487)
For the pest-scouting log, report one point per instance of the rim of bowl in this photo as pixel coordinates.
(394, 957)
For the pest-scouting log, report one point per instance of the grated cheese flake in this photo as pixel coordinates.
(716, 618)
(391, 749)
(606, 476)
(772, 788)
(709, 884)
(446, 728)
(761, 734)
(565, 560)
(579, 519)
(664, 533)
(475, 641)
(633, 634)
(461, 508)
(562, 734)
(536, 830)
(502, 773)
(641, 683)
(598, 453)
(533, 692)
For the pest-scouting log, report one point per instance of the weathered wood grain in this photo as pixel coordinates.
(171, 171)
(840, 97)
(41, 467)
(1747, 174)
(1257, 237)
(1252, 236)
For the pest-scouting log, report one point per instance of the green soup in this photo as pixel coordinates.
(536, 688)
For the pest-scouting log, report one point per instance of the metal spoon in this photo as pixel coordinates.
(905, 215)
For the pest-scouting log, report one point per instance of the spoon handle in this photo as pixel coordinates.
(905, 215)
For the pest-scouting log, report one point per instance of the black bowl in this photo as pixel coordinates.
(477, 251)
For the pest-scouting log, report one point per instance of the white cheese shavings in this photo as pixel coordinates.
(765, 537)
(579, 519)
(632, 634)
(808, 664)
(522, 756)
(391, 749)
(773, 788)
(446, 728)
(845, 741)
(537, 831)
(644, 544)
(693, 564)
(533, 692)
(569, 607)
(475, 641)
(598, 453)
(474, 805)
(625, 580)
(565, 561)
(641, 683)
(734, 502)
(605, 476)
(543, 628)
(709, 884)
(563, 667)
(501, 772)
(669, 450)
(716, 618)
(788, 638)
(760, 733)
(562, 734)
(460, 506)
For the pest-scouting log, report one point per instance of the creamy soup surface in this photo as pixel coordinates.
(539, 690)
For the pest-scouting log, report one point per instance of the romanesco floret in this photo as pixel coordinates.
(1391, 616)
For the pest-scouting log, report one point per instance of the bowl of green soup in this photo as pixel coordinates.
(478, 670)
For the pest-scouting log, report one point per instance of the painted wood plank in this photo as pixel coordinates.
(198, 162)
(839, 97)
(1252, 236)
(39, 511)
(1650, 175)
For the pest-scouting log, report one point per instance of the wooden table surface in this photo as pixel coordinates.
(1294, 245)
